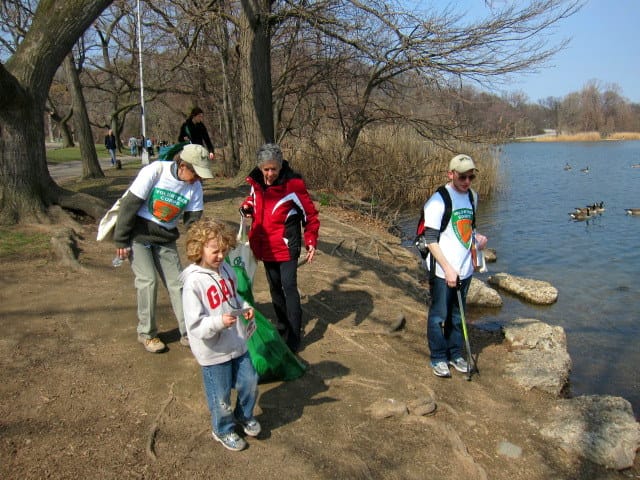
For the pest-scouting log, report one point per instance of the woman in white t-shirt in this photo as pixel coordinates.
(146, 233)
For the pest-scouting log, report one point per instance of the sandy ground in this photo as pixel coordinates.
(80, 398)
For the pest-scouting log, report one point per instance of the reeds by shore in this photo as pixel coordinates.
(390, 168)
(586, 137)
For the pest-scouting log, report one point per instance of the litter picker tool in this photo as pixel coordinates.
(470, 361)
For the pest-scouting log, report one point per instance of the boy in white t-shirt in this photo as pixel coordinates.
(451, 250)
(146, 233)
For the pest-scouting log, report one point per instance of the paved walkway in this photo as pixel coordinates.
(62, 172)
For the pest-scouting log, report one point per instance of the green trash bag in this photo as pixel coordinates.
(270, 355)
(167, 152)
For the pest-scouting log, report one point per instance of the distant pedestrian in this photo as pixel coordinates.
(194, 131)
(111, 145)
(150, 147)
(139, 146)
(132, 146)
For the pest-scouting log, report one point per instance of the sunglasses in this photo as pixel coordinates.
(464, 177)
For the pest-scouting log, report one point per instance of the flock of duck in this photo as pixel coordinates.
(590, 211)
(583, 170)
(585, 213)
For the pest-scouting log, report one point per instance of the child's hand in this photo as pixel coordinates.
(228, 320)
(249, 314)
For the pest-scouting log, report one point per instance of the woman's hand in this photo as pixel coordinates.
(311, 252)
(123, 253)
(249, 314)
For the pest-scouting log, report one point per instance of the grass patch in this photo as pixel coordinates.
(19, 242)
(63, 155)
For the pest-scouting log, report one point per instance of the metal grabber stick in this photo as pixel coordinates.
(470, 362)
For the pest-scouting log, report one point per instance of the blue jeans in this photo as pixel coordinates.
(444, 325)
(112, 152)
(219, 380)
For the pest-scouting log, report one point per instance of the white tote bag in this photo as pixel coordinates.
(108, 222)
(242, 256)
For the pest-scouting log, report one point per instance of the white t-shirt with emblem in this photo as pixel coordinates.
(455, 240)
(166, 196)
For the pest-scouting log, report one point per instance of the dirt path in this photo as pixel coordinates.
(81, 399)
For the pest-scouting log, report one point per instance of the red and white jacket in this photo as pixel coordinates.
(279, 211)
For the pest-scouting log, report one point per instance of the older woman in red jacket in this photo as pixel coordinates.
(281, 206)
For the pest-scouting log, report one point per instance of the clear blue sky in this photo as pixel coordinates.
(604, 46)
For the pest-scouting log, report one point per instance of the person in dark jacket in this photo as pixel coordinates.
(280, 205)
(194, 131)
(111, 145)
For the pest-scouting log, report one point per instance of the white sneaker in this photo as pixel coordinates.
(230, 441)
(252, 427)
(460, 364)
(440, 369)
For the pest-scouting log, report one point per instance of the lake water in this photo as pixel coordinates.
(594, 264)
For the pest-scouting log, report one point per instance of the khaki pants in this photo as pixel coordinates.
(150, 262)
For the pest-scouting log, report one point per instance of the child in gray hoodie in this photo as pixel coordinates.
(217, 336)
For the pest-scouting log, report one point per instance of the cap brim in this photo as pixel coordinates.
(202, 171)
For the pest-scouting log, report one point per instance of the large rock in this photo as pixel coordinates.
(481, 295)
(538, 356)
(490, 255)
(534, 291)
(600, 428)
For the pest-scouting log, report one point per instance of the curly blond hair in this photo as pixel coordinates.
(204, 230)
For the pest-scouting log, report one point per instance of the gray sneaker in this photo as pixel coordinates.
(152, 345)
(252, 427)
(230, 441)
(460, 364)
(440, 369)
(184, 341)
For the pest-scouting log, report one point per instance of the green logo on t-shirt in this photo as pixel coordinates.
(462, 221)
(166, 205)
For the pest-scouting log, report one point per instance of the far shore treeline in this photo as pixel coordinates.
(367, 100)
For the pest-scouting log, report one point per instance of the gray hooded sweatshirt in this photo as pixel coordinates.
(206, 295)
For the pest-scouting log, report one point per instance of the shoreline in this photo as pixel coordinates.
(552, 136)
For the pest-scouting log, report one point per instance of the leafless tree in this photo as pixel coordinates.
(90, 165)
(26, 188)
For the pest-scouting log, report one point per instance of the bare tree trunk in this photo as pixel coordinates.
(255, 79)
(232, 164)
(90, 165)
(63, 127)
(26, 187)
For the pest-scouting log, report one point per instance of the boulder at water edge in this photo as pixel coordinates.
(538, 356)
(479, 294)
(533, 291)
(600, 428)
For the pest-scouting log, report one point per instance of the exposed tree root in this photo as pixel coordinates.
(155, 425)
(82, 202)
